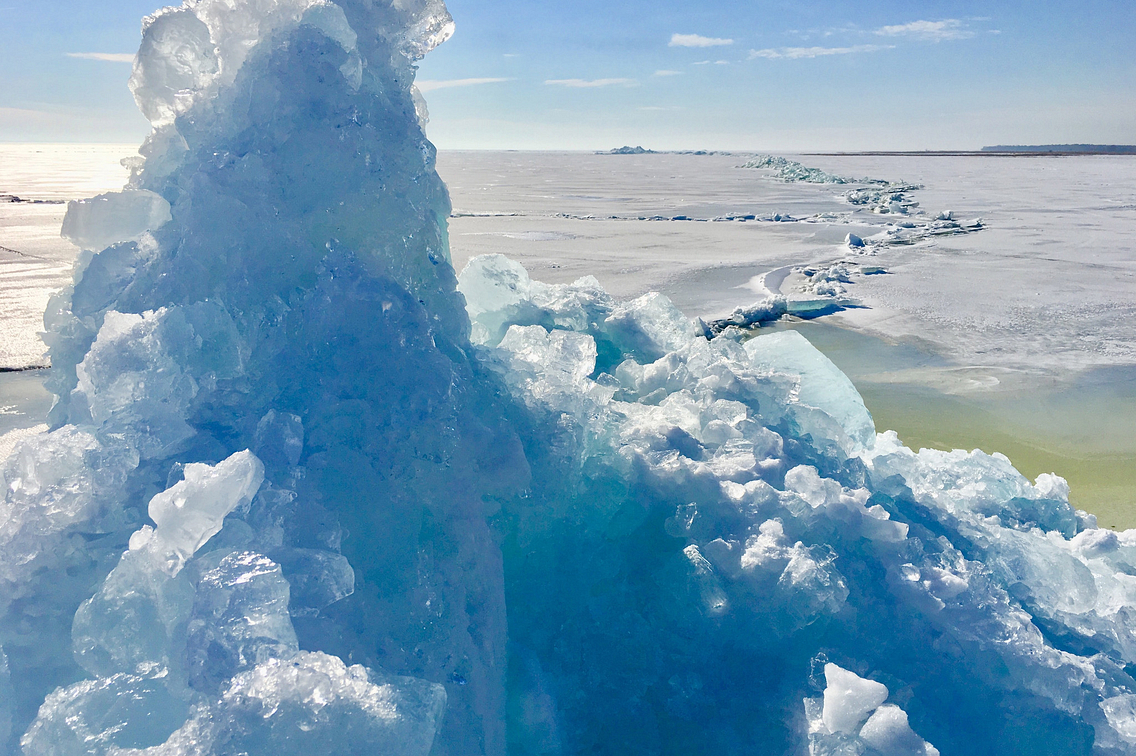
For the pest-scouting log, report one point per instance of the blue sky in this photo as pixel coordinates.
(715, 74)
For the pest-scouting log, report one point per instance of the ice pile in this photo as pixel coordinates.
(790, 170)
(904, 225)
(306, 493)
(884, 199)
(261, 353)
(715, 515)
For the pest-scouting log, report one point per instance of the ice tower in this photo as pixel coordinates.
(275, 278)
(307, 493)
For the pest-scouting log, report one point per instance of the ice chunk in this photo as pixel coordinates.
(176, 59)
(837, 722)
(134, 618)
(849, 699)
(315, 701)
(822, 386)
(143, 372)
(1121, 714)
(849, 506)
(130, 382)
(280, 439)
(137, 615)
(312, 703)
(191, 511)
(888, 732)
(499, 293)
(552, 366)
(107, 219)
(126, 710)
(309, 702)
(317, 578)
(650, 326)
(239, 619)
(56, 483)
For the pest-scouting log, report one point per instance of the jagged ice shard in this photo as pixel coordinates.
(306, 493)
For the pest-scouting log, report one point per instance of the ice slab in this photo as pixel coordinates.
(104, 220)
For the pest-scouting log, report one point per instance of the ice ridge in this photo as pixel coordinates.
(305, 490)
(824, 283)
(790, 170)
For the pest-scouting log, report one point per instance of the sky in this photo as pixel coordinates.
(669, 74)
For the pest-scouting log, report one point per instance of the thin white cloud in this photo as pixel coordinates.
(701, 62)
(591, 83)
(655, 108)
(108, 57)
(798, 53)
(668, 73)
(697, 40)
(721, 62)
(429, 85)
(934, 31)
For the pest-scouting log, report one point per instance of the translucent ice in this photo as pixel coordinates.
(192, 511)
(889, 733)
(822, 386)
(304, 491)
(104, 220)
(309, 703)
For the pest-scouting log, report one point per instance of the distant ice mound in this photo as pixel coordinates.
(306, 494)
(790, 170)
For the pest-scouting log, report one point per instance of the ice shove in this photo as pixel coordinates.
(803, 534)
(178, 535)
(776, 307)
(304, 491)
(826, 285)
(791, 170)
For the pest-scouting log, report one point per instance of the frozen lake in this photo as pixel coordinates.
(1018, 338)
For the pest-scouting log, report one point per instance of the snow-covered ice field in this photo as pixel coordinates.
(1020, 337)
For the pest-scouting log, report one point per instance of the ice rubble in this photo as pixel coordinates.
(791, 170)
(799, 531)
(825, 285)
(303, 491)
